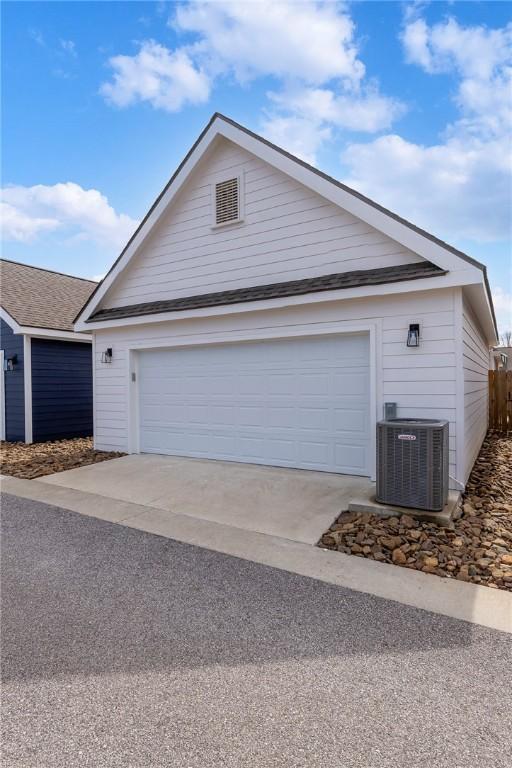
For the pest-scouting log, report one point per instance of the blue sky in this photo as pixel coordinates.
(408, 102)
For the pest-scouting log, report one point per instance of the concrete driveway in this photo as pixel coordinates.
(121, 648)
(289, 503)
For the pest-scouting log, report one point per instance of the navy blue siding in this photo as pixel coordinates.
(12, 344)
(61, 389)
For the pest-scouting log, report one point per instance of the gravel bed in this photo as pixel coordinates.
(39, 459)
(476, 548)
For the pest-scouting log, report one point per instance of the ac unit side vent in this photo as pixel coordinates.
(227, 201)
(412, 463)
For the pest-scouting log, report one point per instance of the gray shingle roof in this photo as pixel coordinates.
(275, 290)
(39, 298)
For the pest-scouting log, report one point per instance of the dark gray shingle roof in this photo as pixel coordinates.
(40, 298)
(275, 290)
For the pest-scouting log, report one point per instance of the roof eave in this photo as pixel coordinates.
(447, 281)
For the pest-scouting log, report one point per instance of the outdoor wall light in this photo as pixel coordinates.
(413, 336)
(10, 362)
(106, 356)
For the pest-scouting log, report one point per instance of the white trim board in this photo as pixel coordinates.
(385, 222)
(373, 328)
(46, 333)
(2, 396)
(460, 449)
(27, 385)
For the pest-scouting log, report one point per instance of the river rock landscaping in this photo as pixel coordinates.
(476, 548)
(39, 459)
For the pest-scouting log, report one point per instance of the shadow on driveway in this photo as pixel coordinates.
(83, 596)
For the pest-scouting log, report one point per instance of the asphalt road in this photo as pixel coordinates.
(121, 648)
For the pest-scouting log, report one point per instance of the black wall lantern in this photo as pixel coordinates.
(413, 336)
(106, 356)
(10, 362)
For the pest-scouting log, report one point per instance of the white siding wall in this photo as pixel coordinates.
(289, 232)
(422, 381)
(475, 355)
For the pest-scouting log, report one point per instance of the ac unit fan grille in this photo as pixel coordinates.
(412, 464)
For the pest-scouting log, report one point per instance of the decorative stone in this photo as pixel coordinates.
(476, 547)
(399, 557)
(390, 542)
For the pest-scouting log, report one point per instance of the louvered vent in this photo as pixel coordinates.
(227, 203)
(412, 463)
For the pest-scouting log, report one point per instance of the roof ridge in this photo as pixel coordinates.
(51, 271)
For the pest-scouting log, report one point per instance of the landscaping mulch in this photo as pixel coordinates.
(39, 459)
(478, 546)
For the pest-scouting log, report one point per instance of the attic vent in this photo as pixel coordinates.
(227, 201)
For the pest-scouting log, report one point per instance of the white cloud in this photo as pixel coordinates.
(69, 47)
(503, 307)
(299, 135)
(84, 213)
(460, 186)
(475, 52)
(37, 37)
(304, 119)
(367, 111)
(168, 80)
(17, 225)
(481, 58)
(309, 48)
(310, 41)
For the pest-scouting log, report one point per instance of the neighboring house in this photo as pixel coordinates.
(261, 311)
(501, 359)
(46, 379)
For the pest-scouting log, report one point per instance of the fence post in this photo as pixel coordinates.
(500, 400)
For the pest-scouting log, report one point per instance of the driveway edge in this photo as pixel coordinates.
(468, 602)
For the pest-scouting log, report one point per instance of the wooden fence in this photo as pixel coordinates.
(500, 400)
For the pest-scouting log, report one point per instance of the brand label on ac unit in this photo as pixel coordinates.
(407, 437)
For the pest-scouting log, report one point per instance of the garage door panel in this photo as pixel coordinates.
(316, 419)
(278, 416)
(297, 402)
(251, 416)
(251, 384)
(351, 383)
(351, 420)
(351, 456)
(314, 453)
(314, 384)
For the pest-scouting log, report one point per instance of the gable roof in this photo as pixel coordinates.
(41, 298)
(406, 233)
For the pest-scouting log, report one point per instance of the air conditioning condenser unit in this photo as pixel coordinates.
(412, 463)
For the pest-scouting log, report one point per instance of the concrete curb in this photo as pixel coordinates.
(468, 602)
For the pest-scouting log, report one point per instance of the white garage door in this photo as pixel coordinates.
(290, 403)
